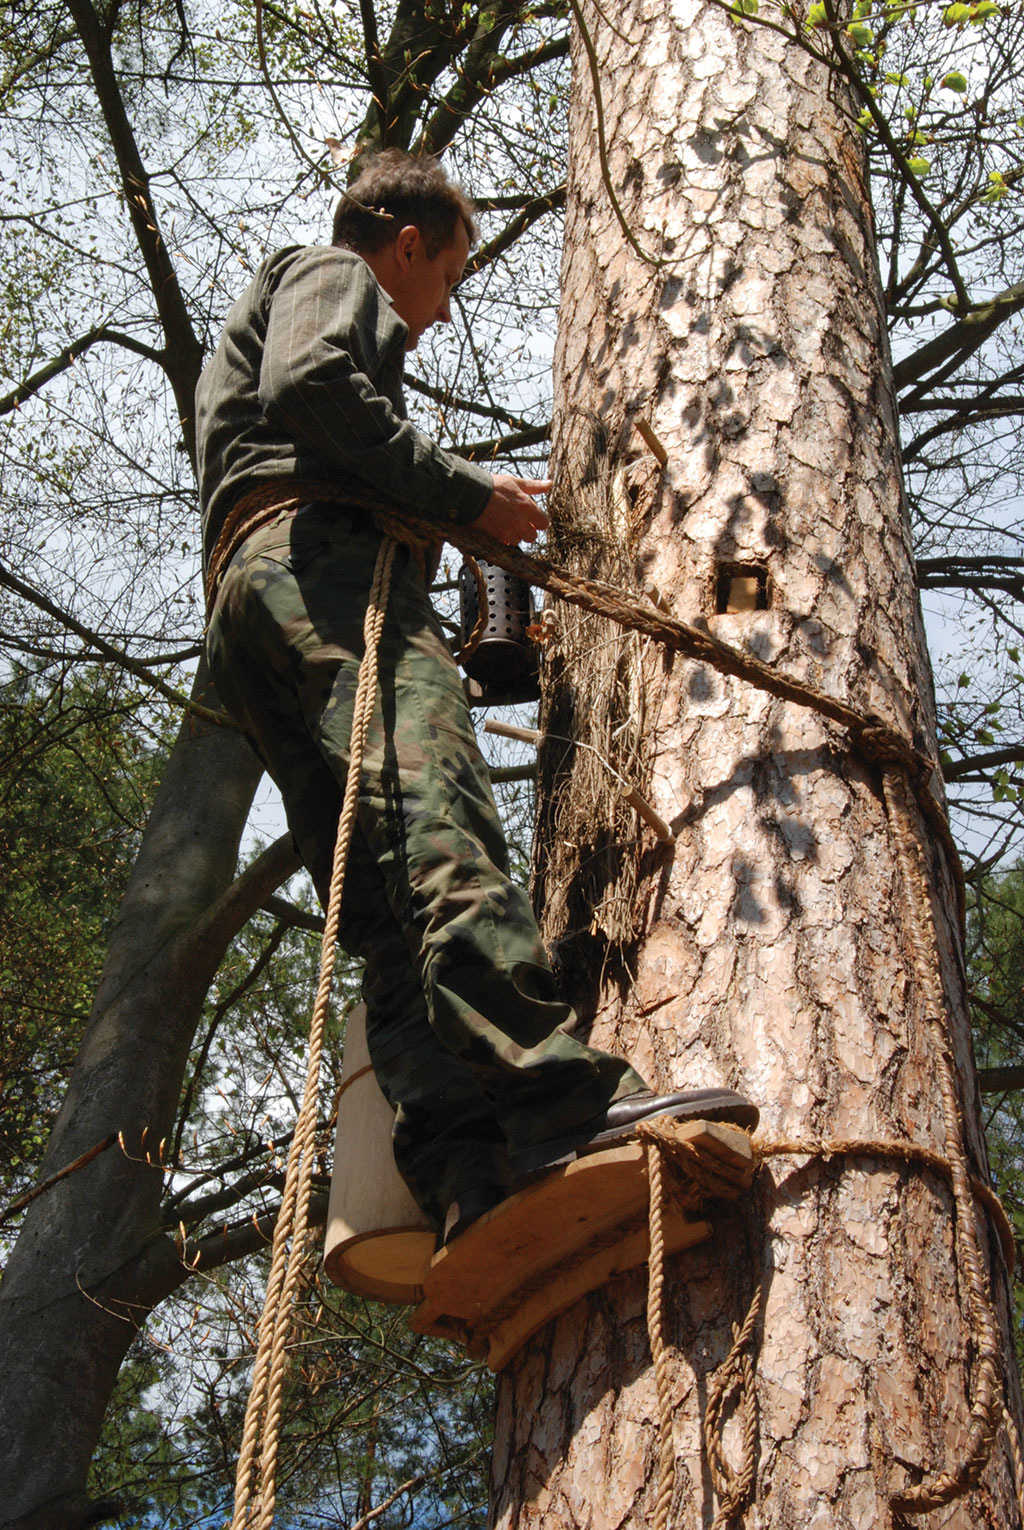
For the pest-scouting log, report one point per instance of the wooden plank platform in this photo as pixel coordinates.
(538, 1252)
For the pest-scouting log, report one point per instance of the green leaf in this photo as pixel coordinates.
(995, 193)
(956, 15)
(897, 79)
(860, 34)
(918, 166)
(817, 16)
(954, 81)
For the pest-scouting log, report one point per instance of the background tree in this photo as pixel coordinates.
(75, 788)
(152, 155)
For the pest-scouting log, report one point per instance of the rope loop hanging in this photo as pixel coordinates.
(255, 1477)
(733, 1487)
(655, 1331)
(906, 775)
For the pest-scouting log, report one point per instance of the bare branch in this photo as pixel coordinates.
(249, 891)
(959, 341)
(53, 1179)
(67, 357)
(109, 652)
(467, 406)
(1000, 1080)
(958, 769)
(294, 917)
(248, 1236)
(498, 446)
(515, 228)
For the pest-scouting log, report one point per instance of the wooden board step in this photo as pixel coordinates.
(538, 1252)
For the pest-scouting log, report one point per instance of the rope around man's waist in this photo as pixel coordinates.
(262, 505)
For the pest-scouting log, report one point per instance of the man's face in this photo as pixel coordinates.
(420, 285)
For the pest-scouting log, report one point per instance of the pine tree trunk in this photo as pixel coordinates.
(770, 950)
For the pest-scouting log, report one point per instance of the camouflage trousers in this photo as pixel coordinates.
(469, 1039)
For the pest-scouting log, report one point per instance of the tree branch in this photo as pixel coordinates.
(515, 228)
(183, 353)
(957, 342)
(497, 446)
(935, 571)
(1000, 1080)
(248, 1236)
(957, 769)
(67, 357)
(967, 414)
(375, 70)
(47, 1184)
(294, 917)
(483, 73)
(864, 93)
(109, 652)
(447, 400)
(249, 892)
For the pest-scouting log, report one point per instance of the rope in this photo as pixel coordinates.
(876, 740)
(1016, 1459)
(655, 1332)
(905, 1152)
(483, 613)
(736, 1374)
(986, 1411)
(257, 1460)
(904, 769)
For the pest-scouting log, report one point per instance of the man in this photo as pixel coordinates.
(300, 408)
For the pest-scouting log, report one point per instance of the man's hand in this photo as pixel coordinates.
(512, 514)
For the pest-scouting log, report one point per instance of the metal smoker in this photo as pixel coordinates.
(502, 669)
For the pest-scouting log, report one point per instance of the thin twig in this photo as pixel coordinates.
(48, 1184)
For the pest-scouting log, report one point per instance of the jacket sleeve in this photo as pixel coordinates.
(331, 331)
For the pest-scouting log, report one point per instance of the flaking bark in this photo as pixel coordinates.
(769, 951)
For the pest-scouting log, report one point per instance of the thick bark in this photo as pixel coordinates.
(92, 1258)
(770, 950)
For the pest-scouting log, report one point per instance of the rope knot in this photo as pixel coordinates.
(882, 744)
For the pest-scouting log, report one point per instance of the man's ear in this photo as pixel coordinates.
(407, 243)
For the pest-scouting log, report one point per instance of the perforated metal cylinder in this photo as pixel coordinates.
(504, 654)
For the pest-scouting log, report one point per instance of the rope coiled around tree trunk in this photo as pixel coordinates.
(986, 1410)
(906, 775)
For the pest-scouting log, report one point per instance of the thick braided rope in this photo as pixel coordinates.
(257, 1461)
(736, 1374)
(875, 739)
(655, 1332)
(986, 1411)
(1016, 1458)
(881, 744)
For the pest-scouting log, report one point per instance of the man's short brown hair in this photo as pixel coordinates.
(410, 189)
